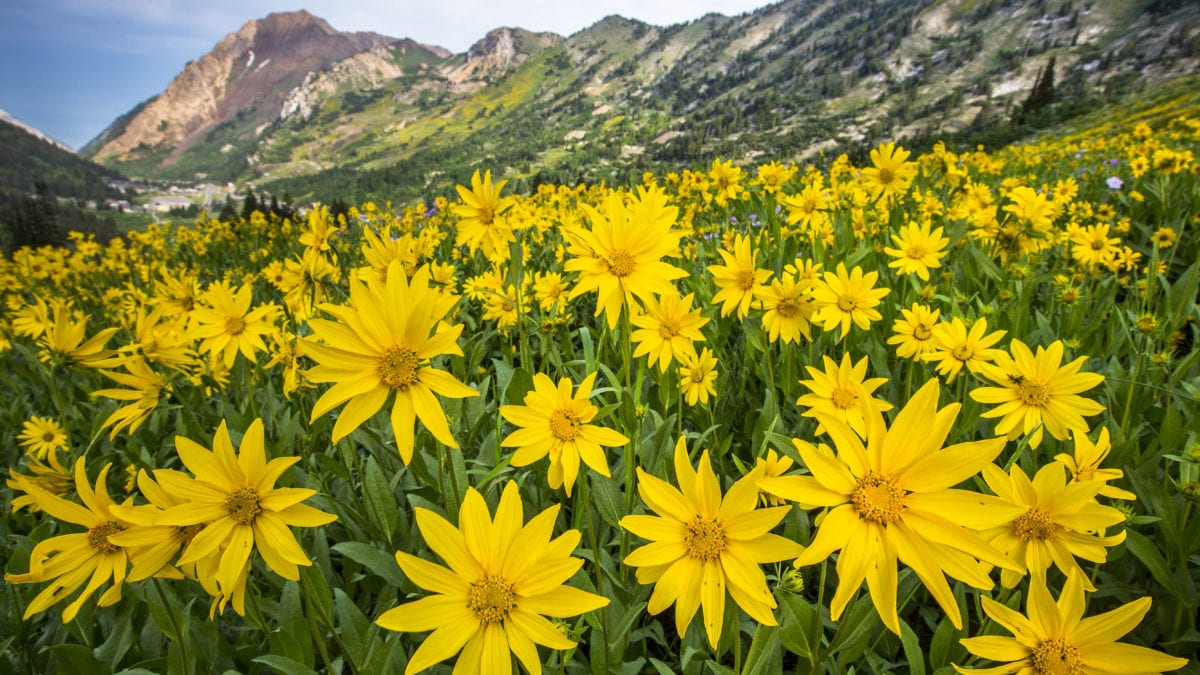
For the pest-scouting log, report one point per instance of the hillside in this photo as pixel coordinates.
(790, 80)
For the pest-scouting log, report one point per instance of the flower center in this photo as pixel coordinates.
(704, 539)
(878, 498)
(698, 375)
(847, 303)
(922, 332)
(916, 252)
(963, 352)
(243, 506)
(486, 214)
(1034, 524)
(1056, 657)
(843, 398)
(491, 598)
(235, 325)
(48, 437)
(886, 176)
(745, 279)
(1033, 394)
(620, 264)
(565, 425)
(398, 367)
(97, 536)
(787, 308)
(668, 329)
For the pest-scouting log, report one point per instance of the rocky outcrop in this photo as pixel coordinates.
(500, 50)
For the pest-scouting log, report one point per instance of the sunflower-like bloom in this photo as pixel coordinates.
(556, 423)
(787, 307)
(227, 326)
(502, 577)
(738, 278)
(726, 180)
(1056, 522)
(809, 207)
(235, 498)
(698, 376)
(1037, 394)
(1091, 246)
(842, 391)
(481, 221)
(703, 545)
(621, 256)
(913, 334)
(50, 476)
(1084, 465)
(919, 247)
(380, 346)
(62, 341)
(892, 500)
(667, 329)
(69, 560)
(890, 174)
(847, 297)
(146, 388)
(41, 436)
(1054, 636)
(955, 346)
(152, 546)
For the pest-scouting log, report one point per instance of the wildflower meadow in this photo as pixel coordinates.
(924, 413)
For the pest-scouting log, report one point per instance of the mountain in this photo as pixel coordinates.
(369, 116)
(43, 189)
(36, 133)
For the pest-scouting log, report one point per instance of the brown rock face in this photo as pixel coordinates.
(247, 76)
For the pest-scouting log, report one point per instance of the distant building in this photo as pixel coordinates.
(164, 204)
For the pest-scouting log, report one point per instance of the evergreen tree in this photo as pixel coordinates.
(250, 204)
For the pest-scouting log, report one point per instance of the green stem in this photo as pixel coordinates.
(174, 625)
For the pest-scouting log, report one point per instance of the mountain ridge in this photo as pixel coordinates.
(789, 80)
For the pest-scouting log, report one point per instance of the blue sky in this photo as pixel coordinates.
(71, 67)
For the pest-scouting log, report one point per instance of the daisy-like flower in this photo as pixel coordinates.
(726, 179)
(50, 476)
(1084, 464)
(703, 545)
(955, 346)
(152, 546)
(62, 341)
(891, 500)
(698, 376)
(1057, 522)
(381, 346)
(621, 256)
(787, 307)
(41, 436)
(556, 423)
(502, 578)
(919, 247)
(809, 208)
(890, 174)
(1091, 246)
(845, 297)
(146, 388)
(842, 391)
(738, 278)
(1054, 637)
(667, 328)
(227, 326)
(481, 221)
(235, 498)
(913, 334)
(773, 466)
(1037, 394)
(69, 560)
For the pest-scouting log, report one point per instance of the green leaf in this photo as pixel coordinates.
(352, 626)
(1145, 550)
(282, 664)
(318, 590)
(855, 631)
(293, 635)
(76, 658)
(798, 625)
(379, 562)
(606, 495)
(912, 649)
(380, 499)
(764, 657)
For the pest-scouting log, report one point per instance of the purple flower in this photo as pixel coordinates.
(1114, 161)
(1114, 182)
